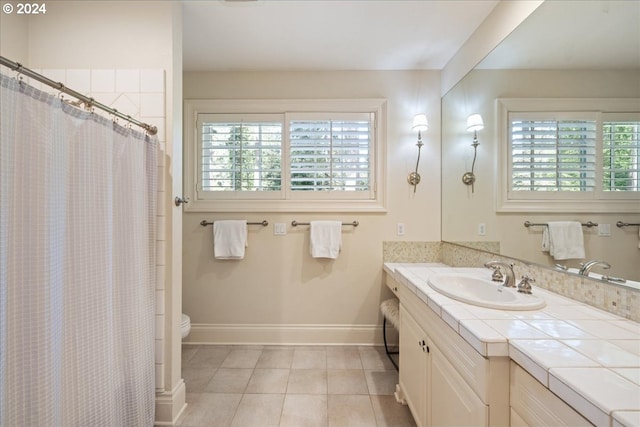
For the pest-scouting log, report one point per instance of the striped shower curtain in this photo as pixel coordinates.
(77, 265)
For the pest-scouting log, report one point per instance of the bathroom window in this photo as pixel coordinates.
(285, 155)
(565, 155)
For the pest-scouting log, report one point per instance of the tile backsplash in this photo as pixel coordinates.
(619, 300)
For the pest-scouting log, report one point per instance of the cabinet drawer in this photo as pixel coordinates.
(392, 284)
(536, 405)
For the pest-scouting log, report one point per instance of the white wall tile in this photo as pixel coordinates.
(160, 376)
(152, 105)
(160, 327)
(159, 302)
(103, 81)
(126, 106)
(58, 76)
(161, 223)
(79, 80)
(159, 352)
(161, 272)
(161, 256)
(127, 80)
(151, 80)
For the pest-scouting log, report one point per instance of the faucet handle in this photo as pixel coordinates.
(524, 286)
(497, 276)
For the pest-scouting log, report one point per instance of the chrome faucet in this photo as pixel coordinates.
(509, 275)
(587, 266)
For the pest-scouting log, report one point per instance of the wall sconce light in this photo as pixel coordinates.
(474, 124)
(420, 123)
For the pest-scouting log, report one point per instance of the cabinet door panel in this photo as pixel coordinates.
(453, 402)
(413, 367)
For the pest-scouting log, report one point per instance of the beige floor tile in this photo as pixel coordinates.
(196, 379)
(242, 358)
(259, 410)
(228, 380)
(390, 413)
(375, 358)
(350, 411)
(307, 381)
(343, 358)
(268, 381)
(187, 352)
(210, 357)
(309, 358)
(210, 409)
(276, 358)
(304, 410)
(381, 382)
(347, 381)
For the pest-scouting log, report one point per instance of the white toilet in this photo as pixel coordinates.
(185, 326)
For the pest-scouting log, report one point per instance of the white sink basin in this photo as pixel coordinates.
(483, 293)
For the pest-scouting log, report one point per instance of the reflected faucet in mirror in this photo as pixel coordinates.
(474, 124)
(587, 266)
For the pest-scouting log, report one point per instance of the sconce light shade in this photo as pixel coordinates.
(420, 122)
(474, 123)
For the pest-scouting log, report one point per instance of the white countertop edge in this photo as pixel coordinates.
(494, 346)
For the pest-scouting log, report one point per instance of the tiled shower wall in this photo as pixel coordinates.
(619, 300)
(139, 93)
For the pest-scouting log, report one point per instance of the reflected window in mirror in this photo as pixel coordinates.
(556, 152)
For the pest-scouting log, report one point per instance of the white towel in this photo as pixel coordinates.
(229, 239)
(326, 239)
(563, 240)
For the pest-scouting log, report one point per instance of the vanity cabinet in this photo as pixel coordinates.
(532, 404)
(444, 380)
(435, 392)
(415, 367)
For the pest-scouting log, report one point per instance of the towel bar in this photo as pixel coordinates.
(295, 223)
(264, 223)
(531, 224)
(621, 224)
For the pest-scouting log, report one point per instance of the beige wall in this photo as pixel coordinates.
(463, 210)
(278, 293)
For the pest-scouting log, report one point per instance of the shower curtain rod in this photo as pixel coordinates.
(89, 102)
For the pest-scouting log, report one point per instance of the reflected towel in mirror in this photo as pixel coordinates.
(563, 240)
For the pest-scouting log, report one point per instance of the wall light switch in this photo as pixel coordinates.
(604, 229)
(279, 229)
(482, 229)
(400, 229)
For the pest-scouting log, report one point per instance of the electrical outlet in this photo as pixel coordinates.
(400, 229)
(482, 229)
(279, 229)
(604, 229)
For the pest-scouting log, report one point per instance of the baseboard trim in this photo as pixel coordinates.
(170, 405)
(289, 334)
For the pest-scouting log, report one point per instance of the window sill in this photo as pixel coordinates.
(341, 206)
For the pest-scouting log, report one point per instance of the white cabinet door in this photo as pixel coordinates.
(413, 367)
(453, 402)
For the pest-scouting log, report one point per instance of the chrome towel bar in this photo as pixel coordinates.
(621, 224)
(264, 223)
(295, 223)
(531, 224)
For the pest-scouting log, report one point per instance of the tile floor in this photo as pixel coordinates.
(290, 386)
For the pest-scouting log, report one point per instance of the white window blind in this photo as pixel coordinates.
(241, 155)
(330, 155)
(621, 155)
(555, 155)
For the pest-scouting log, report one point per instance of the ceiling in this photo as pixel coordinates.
(327, 34)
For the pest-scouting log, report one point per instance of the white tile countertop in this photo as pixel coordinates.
(586, 356)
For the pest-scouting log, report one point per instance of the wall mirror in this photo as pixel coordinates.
(563, 50)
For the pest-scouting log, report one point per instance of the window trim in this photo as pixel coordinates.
(194, 107)
(598, 202)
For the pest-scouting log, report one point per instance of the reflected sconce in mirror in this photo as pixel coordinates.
(474, 124)
(420, 123)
